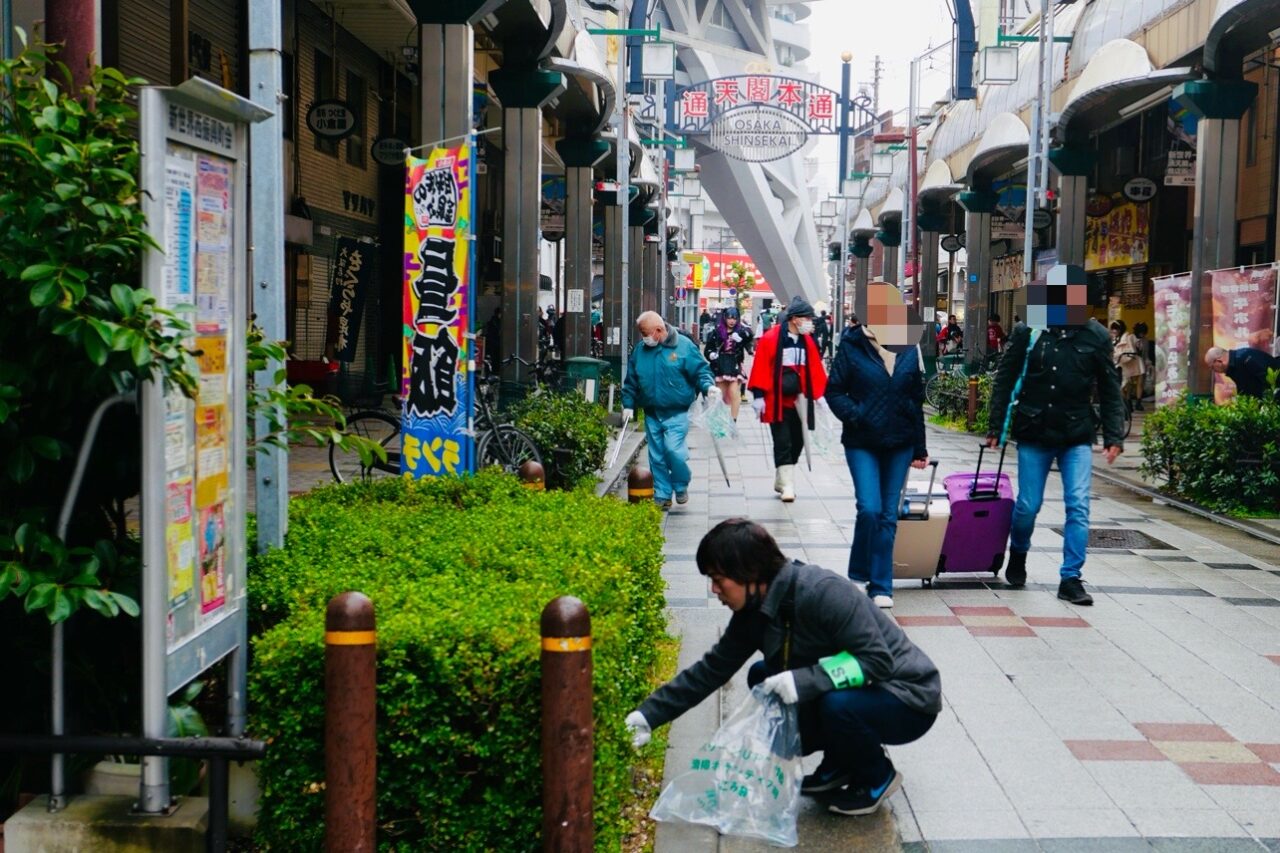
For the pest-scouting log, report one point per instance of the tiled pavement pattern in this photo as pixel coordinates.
(1149, 721)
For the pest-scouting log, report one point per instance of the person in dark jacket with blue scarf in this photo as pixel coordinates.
(878, 394)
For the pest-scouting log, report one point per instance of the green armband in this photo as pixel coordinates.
(843, 670)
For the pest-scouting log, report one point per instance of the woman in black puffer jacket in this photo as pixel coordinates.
(878, 395)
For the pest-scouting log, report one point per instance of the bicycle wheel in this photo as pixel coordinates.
(507, 447)
(1128, 420)
(933, 391)
(376, 426)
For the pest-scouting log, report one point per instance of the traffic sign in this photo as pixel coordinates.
(952, 243)
(1041, 218)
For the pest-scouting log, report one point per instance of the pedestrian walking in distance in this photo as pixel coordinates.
(858, 680)
(726, 347)
(665, 374)
(787, 364)
(878, 394)
(1055, 362)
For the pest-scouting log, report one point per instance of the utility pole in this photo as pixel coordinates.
(875, 86)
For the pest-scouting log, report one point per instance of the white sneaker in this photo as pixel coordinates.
(884, 602)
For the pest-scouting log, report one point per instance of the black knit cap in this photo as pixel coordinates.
(799, 308)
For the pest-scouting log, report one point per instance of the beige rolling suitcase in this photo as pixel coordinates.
(923, 513)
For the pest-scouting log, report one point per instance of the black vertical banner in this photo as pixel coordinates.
(352, 277)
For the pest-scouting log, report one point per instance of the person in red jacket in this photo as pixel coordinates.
(788, 364)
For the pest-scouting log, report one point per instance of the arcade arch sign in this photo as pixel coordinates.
(762, 117)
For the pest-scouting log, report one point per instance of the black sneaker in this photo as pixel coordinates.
(824, 779)
(861, 801)
(1015, 574)
(664, 504)
(1072, 590)
(682, 497)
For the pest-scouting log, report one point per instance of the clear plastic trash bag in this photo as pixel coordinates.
(745, 781)
(826, 431)
(715, 418)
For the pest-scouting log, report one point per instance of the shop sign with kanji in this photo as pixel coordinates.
(758, 117)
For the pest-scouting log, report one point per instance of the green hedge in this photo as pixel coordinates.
(571, 433)
(459, 571)
(953, 401)
(1226, 458)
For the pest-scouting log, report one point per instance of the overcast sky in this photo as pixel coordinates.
(898, 31)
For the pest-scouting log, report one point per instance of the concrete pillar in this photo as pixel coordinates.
(860, 249)
(1073, 166)
(522, 93)
(613, 289)
(639, 215)
(890, 236)
(78, 25)
(931, 225)
(579, 156)
(446, 55)
(978, 205)
(1219, 106)
(653, 257)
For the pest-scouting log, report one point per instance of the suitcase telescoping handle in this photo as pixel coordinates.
(928, 499)
(976, 493)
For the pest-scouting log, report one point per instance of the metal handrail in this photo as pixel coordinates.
(216, 750)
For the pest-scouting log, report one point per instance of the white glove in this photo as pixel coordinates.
(628, 414)
(638, 728)
(736, 338)
(757, 403)
(782, 685)
(714, 395)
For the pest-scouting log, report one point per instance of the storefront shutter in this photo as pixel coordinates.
(144, 40)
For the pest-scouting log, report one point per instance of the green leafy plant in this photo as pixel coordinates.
(292, 414)
(571, 433)
(458, 571)
(952, 397)
(1226, 458)
(75, 327)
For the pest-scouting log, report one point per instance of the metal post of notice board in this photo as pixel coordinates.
(194, 144)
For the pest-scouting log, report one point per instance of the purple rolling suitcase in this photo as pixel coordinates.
(981, 515)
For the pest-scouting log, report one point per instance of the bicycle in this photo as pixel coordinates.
(377, 425)
(501, 444)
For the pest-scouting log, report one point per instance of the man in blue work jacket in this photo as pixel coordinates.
(664, 376)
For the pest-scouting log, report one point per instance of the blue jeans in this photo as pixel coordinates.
(877, 485)
(1076, 465)
(668, 453)
(850, 726)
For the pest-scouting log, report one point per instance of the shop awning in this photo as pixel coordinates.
(863, 226)
(891, 211)
(1238, 28)
(938, 185)
(1003, 144)
(589, 100)
(648, 177)
(608, 165)
(384, 26)
(1119, 76)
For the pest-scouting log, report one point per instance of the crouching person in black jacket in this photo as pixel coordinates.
(860, 683)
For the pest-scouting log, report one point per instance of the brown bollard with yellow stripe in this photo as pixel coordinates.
(639, 485)
(567, 729)
(971, 415)
(350, 725)
(533, 475)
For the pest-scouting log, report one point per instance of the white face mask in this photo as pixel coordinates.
(649, 341)
(805, 327)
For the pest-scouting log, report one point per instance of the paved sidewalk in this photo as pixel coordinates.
(1149, 721)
